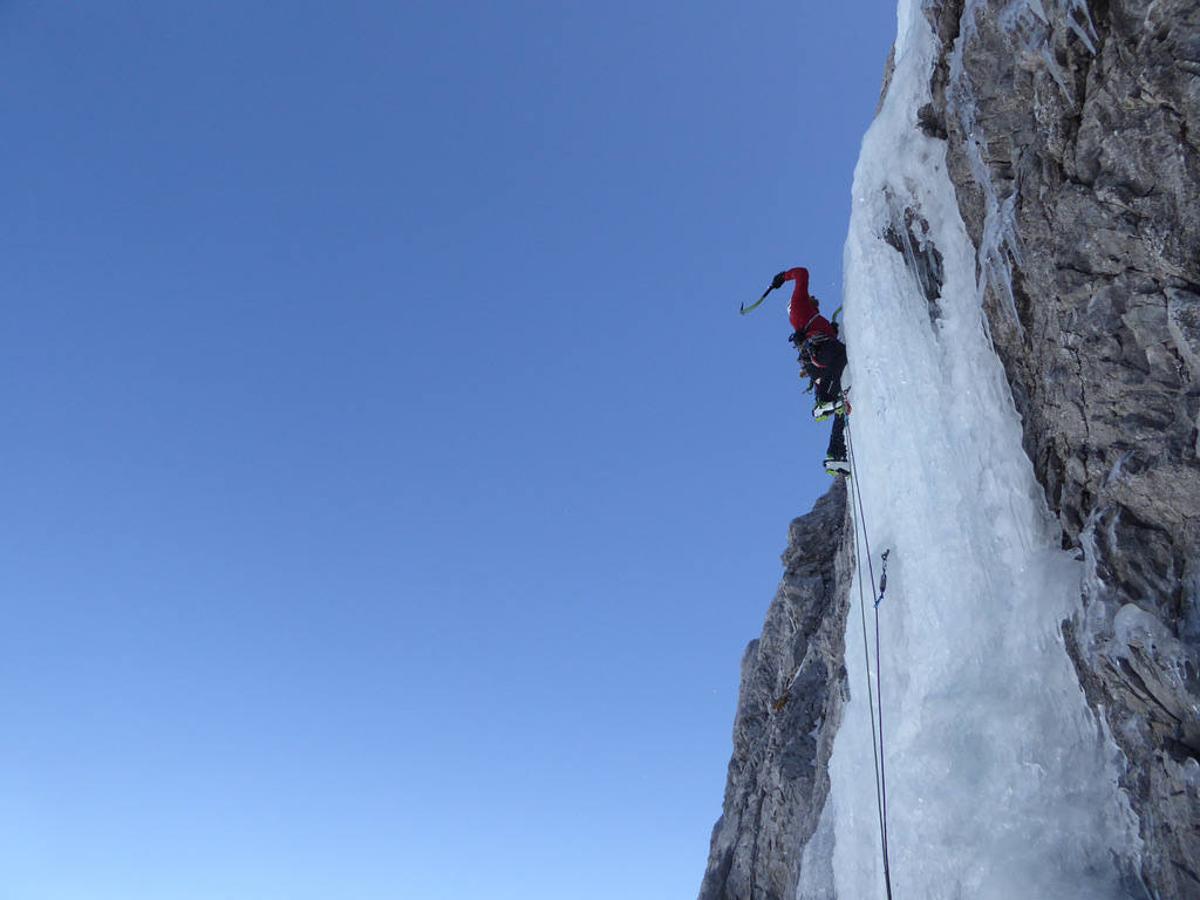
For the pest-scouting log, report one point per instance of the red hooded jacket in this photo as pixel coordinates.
(802, 311)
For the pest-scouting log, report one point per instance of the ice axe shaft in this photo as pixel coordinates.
(743, 309)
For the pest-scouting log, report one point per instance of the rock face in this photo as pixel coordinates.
(1073, 138)
(1072, 131)
(789, 707)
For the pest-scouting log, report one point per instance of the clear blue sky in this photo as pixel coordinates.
(389, 484)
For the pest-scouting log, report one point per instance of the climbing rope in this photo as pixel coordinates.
(879, 700)
(874, 699)
(862, 609)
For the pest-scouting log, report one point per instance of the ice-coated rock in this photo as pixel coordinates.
(1073, 129)
(1070, 133)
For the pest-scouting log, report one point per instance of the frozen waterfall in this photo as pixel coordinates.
(1001, 783)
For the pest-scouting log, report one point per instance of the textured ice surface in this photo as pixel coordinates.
(1001, 783)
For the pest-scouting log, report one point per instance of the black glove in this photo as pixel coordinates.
(777, 281)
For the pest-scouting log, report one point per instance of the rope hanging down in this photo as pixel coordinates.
(874, 698)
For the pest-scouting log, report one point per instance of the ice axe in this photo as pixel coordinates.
(743, 309)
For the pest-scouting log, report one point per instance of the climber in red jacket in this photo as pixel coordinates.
(803, 311)
(822, 358)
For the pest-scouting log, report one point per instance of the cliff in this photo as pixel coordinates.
(1072, 136)
(1068, 134)
(789, 707)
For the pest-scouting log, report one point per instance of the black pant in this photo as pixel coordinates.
(837, 438)
(824, 362)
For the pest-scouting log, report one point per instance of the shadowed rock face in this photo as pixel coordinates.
(789, 707)
(1073, 137)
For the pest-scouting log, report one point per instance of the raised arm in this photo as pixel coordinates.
(802, 311)
(800, 276)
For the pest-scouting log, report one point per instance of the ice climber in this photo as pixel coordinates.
(822, 358)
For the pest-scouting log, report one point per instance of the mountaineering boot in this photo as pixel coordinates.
(837, 467)
(823, 411)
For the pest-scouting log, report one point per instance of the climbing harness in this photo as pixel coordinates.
(874, 698)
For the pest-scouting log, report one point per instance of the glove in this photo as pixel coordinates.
(777, 281)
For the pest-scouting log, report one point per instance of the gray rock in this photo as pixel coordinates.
(1072, 142)
(789, 708)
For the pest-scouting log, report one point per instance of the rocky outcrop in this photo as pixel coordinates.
(789, 707)
(1073, 137)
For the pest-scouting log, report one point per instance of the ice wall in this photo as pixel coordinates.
(1001, 782)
